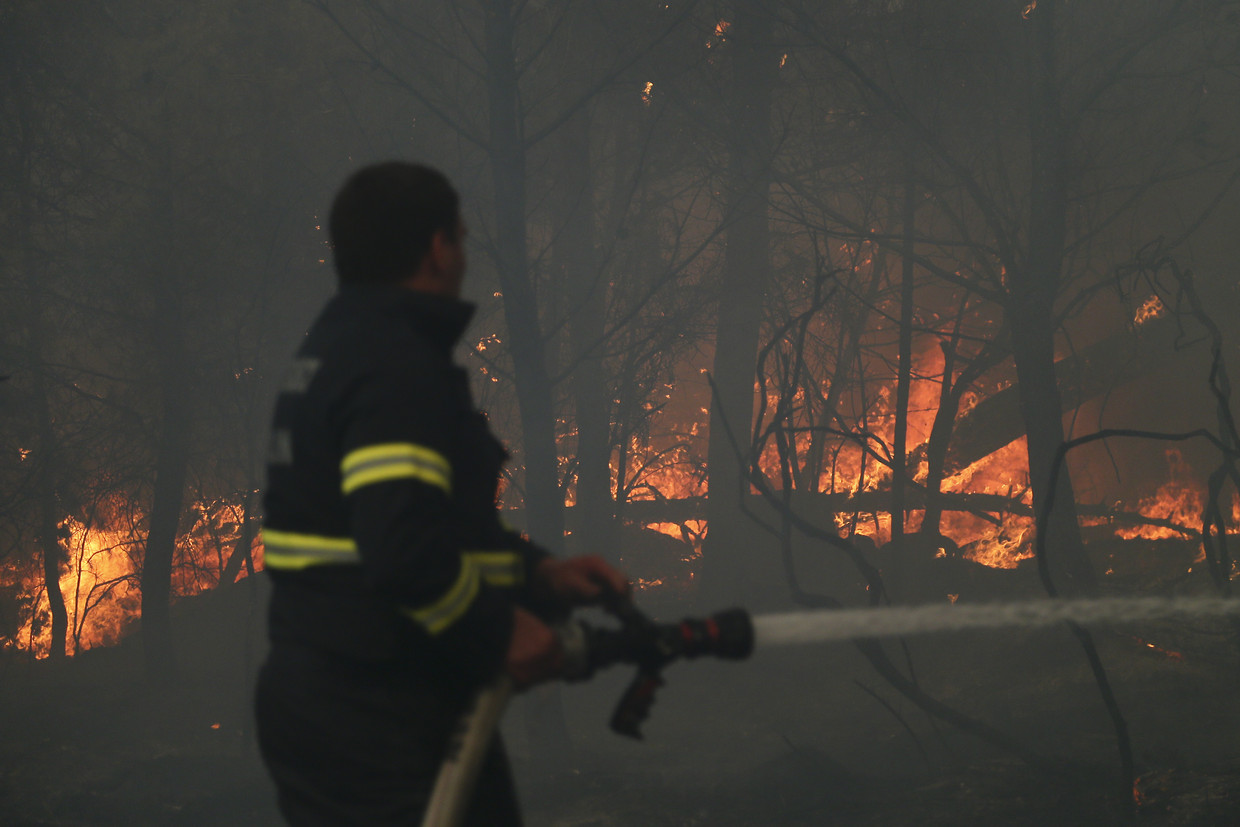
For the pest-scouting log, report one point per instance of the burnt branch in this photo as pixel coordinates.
(872, 649)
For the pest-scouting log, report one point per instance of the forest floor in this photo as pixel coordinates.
(804, 736)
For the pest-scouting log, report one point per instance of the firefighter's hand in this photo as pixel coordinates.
(534, 652)
(580, 581)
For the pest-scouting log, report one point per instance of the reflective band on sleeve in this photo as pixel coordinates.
(496, 568)
(393, 461)
(287, 550)
(448, 609)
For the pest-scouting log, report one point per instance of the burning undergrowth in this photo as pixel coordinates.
(661, 480)
(101, 563)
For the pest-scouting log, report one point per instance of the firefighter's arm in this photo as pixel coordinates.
(397, 480)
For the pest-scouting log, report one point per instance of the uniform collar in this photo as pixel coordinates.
(443, 318)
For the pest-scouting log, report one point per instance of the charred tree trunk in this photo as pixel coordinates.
(49, 510)
(904, 378)
(1031, 317)
(171, 466)
(241, 553)
(544, 504)
(743, 286)
(49, 503)
(49, 453)
(941, 431)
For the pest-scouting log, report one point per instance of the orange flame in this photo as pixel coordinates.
(1152, 308)
(100, 574)
(1180, 500)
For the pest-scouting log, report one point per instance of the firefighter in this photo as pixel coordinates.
(396, 589)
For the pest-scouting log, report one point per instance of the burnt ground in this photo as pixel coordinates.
(790, 738)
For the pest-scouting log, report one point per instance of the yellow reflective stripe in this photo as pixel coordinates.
(286, 550)
(498, 568)
(289, 550)
(448, 609)
(391, 461)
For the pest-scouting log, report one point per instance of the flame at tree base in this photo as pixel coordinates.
(101, 567)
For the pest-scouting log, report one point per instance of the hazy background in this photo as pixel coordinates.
(913, 245)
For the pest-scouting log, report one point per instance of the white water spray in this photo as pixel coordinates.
(828, 625)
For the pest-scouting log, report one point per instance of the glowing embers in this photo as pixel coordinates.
(1169, 654)
(1151, 308)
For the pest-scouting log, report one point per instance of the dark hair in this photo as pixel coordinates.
(384, 217)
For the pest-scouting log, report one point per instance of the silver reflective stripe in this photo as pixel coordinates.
(394, 461)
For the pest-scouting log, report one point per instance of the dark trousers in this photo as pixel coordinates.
(352, 743)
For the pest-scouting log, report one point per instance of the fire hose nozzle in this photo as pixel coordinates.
(727, 634)
(651, 646)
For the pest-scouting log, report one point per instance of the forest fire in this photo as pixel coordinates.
(99, 582)
(942, 238)
(102, 553)
(101, 570)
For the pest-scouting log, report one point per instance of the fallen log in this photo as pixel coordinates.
(1086, 375)
(821, 509)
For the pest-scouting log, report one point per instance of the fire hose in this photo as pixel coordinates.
(731, 634)
(650, 646)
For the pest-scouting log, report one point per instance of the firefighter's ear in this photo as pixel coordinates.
(446, 246)
(440, 242)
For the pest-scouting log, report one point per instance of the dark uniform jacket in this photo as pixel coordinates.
(381, 532)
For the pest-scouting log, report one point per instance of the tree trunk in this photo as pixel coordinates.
(48, 455)
(49, 519)
(904, 379)
(941, 432)
(746, 273)
(544, 501)
(1030, 314)
(171, 466)
(587, 307)
(241, 553)
(544, 504)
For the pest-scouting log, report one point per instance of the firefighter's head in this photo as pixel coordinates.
(396, 223)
